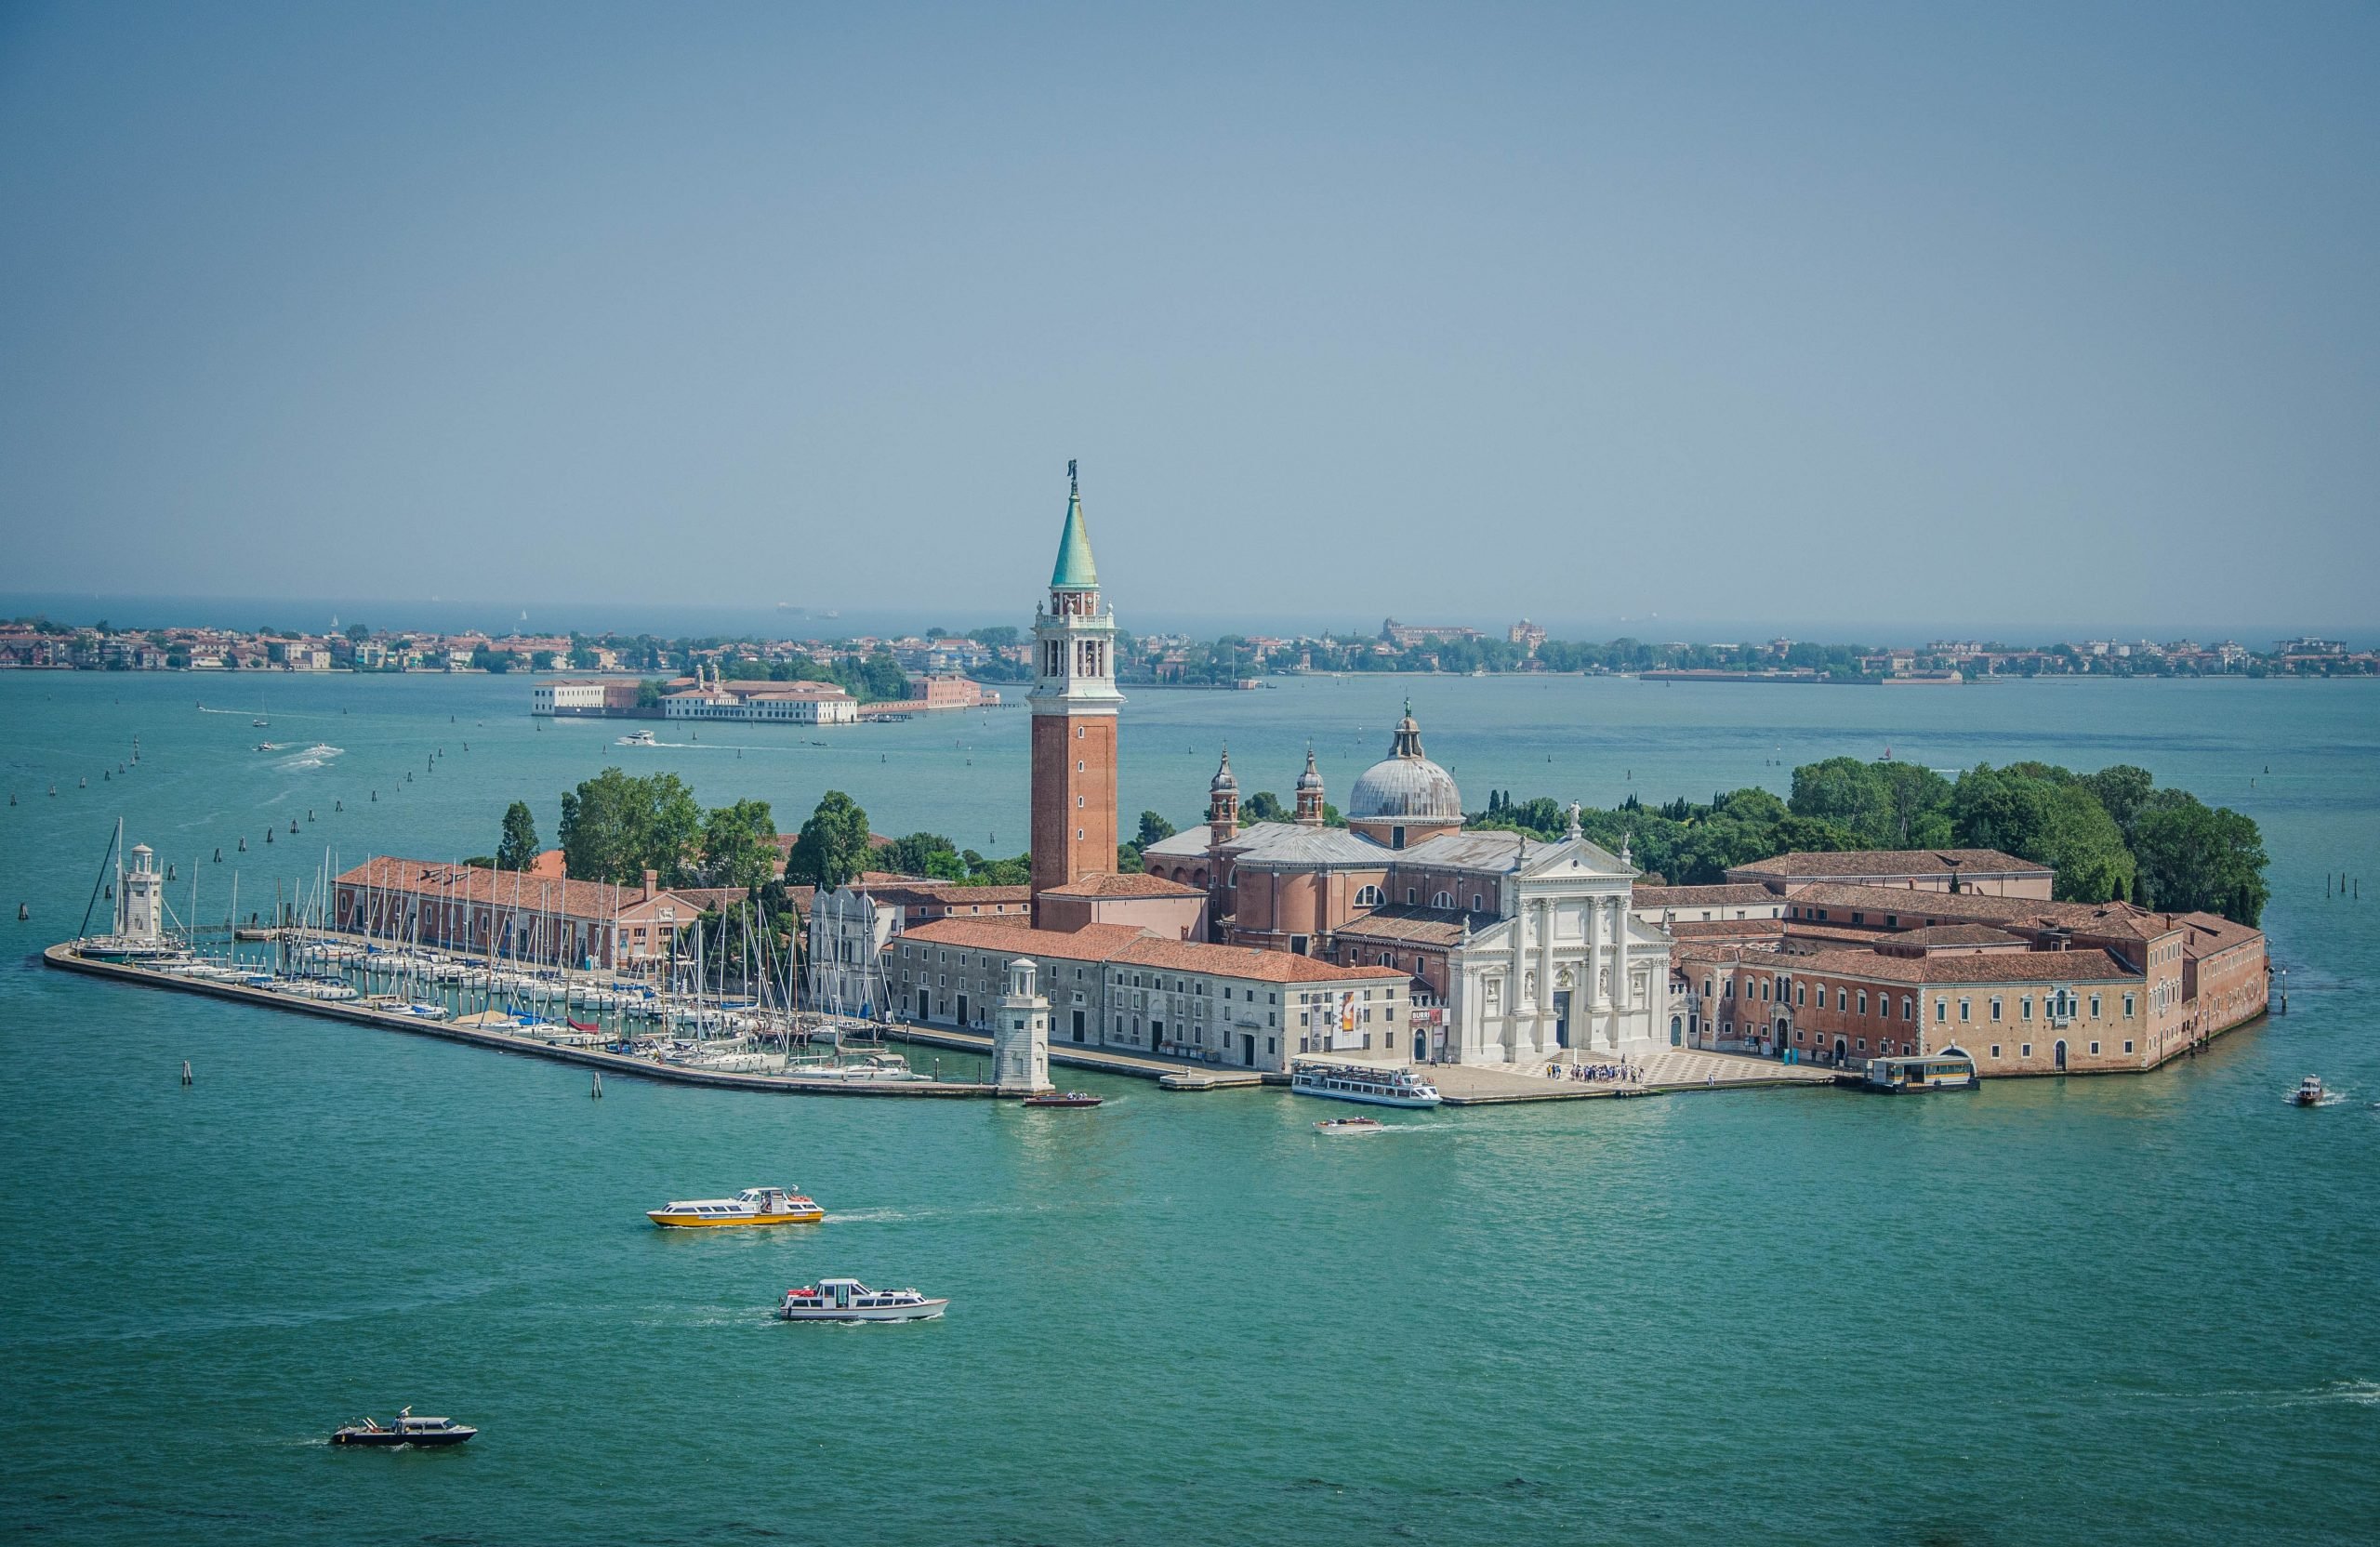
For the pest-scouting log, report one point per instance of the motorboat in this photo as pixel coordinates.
(638, 738)
(849, 1299)
(1064, 1099)
(752, 1206)
(1350, 1127)
(1376, 1087)
(2308, 1091)
(408, 1430)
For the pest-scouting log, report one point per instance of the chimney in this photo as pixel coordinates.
(651, 884)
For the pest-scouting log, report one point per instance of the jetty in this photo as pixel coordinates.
(67, 958)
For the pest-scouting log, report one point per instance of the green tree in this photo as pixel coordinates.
(518, 848)
(1154, 829)
(833, 844)
(615, 828)
(1263, 806)
(927, 854)
(1000, 638)
(648, 694)
(740, 844)
(2193, 858)
(2124, 791)
(357, 633)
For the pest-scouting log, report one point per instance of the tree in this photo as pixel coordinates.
(833, 844)
(518, 849)
(2193, 858)
(740, 844)
(357, 633)
(1154, 829)
(927, 854)
(648, 694)
(2124, 791)
(1264, 806)
(616, 827)
(1000, 638)
(541, 660)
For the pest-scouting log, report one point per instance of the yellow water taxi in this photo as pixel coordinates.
(752, 1206)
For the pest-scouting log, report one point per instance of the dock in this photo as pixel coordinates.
(63, 957)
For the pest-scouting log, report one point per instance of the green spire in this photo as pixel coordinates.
(1074, 571)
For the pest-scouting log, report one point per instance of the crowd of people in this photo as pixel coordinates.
(1622, 1073)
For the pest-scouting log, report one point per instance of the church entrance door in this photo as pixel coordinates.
(1561, 1017)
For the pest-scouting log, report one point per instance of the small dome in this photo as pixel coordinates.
(1312, 779)
(1223, 781)
(1406, 785)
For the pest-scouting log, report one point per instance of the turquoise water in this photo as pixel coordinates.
(2053, 1311)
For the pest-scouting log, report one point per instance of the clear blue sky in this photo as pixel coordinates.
(1994, 314)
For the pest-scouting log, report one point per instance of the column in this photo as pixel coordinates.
(1621, 1004)
(1521, 1044)
(1589, 994)
(1546, 1045)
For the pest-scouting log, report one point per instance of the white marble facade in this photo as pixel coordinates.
(1568, 972)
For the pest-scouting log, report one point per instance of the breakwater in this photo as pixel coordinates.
(64, 956)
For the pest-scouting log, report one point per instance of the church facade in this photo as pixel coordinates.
(1520, 950)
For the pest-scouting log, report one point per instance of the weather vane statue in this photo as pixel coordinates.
(1074, 484)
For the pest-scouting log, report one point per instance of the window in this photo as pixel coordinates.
(1863, 1002)
(1966, 1009)
(1995, 1009)
(2094, 1009)
(2027, 1049)
(1941, 1011)
(2127, 1047)
(1908, 1007)
(1863, 1044)
(1443, 899)
(2095, 1050)
(1368, 897)
(1801, 995)
(2127, 1007)
(1412, 894)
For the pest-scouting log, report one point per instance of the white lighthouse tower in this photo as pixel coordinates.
(1021, 1034)
(140, 899)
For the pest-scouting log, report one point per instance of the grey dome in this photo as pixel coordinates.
(1406, 785)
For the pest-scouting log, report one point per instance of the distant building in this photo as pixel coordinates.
(787, 702)
(1405, 635)
(1527, 635)
(1984, 870)
(511, 915)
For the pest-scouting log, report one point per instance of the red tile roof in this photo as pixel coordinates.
(589, 900)
(1109, 884)
(1245, 961)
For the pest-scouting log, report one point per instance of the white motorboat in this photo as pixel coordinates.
(637, 738)
(1358, 1083)
(849, 1299)
(1350, 1127)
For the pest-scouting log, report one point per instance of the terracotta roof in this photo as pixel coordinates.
(1918, 909)
(948, 892)
(1954, 934)
(1890, 861)
(1243, 962)
(1091, 943)
(1725, 929)
(1972, 967)
(1111, 884)
(1407, 923)
(591, 900)
(2210, 934)
(1704, 896)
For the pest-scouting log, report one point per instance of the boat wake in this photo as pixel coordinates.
(317, 755)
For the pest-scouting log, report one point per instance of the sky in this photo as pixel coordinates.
(1625, 318)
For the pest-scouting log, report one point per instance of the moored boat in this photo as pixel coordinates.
(752, 1206)
(849, 1299)
(1385, 1086)
(2308, 1091)
(408, 1430)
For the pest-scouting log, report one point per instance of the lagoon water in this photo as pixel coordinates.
(2078, 1310)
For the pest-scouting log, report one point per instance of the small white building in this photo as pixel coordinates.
(549, 699)
(782, 703)
(1021, 1037)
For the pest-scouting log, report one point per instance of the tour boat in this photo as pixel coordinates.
(1063, 1098)
(409, 1431)
(637, 738)
(1943, 1071)
(2308, 1091)
(1351, 1128)
(752, 1206)
(1355, 1082)
(849, 1299)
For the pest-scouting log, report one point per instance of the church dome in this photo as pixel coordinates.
(1224, 780)
(1406, 786)
(1312, 779)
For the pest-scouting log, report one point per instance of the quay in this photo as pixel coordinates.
(64, 956)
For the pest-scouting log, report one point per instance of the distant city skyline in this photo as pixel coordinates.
(2026, 321)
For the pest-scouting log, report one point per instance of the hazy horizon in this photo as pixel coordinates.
(694, 619)
(2014, 320)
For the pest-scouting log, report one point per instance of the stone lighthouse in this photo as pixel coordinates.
(1074, 704)
(1021, 1034)
(141, 898)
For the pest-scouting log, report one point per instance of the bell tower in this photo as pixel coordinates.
(1074, 704)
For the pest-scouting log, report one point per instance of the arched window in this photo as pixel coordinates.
(1443, 899)
(1370, 896)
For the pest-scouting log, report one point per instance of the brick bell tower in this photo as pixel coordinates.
(1074, 716)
